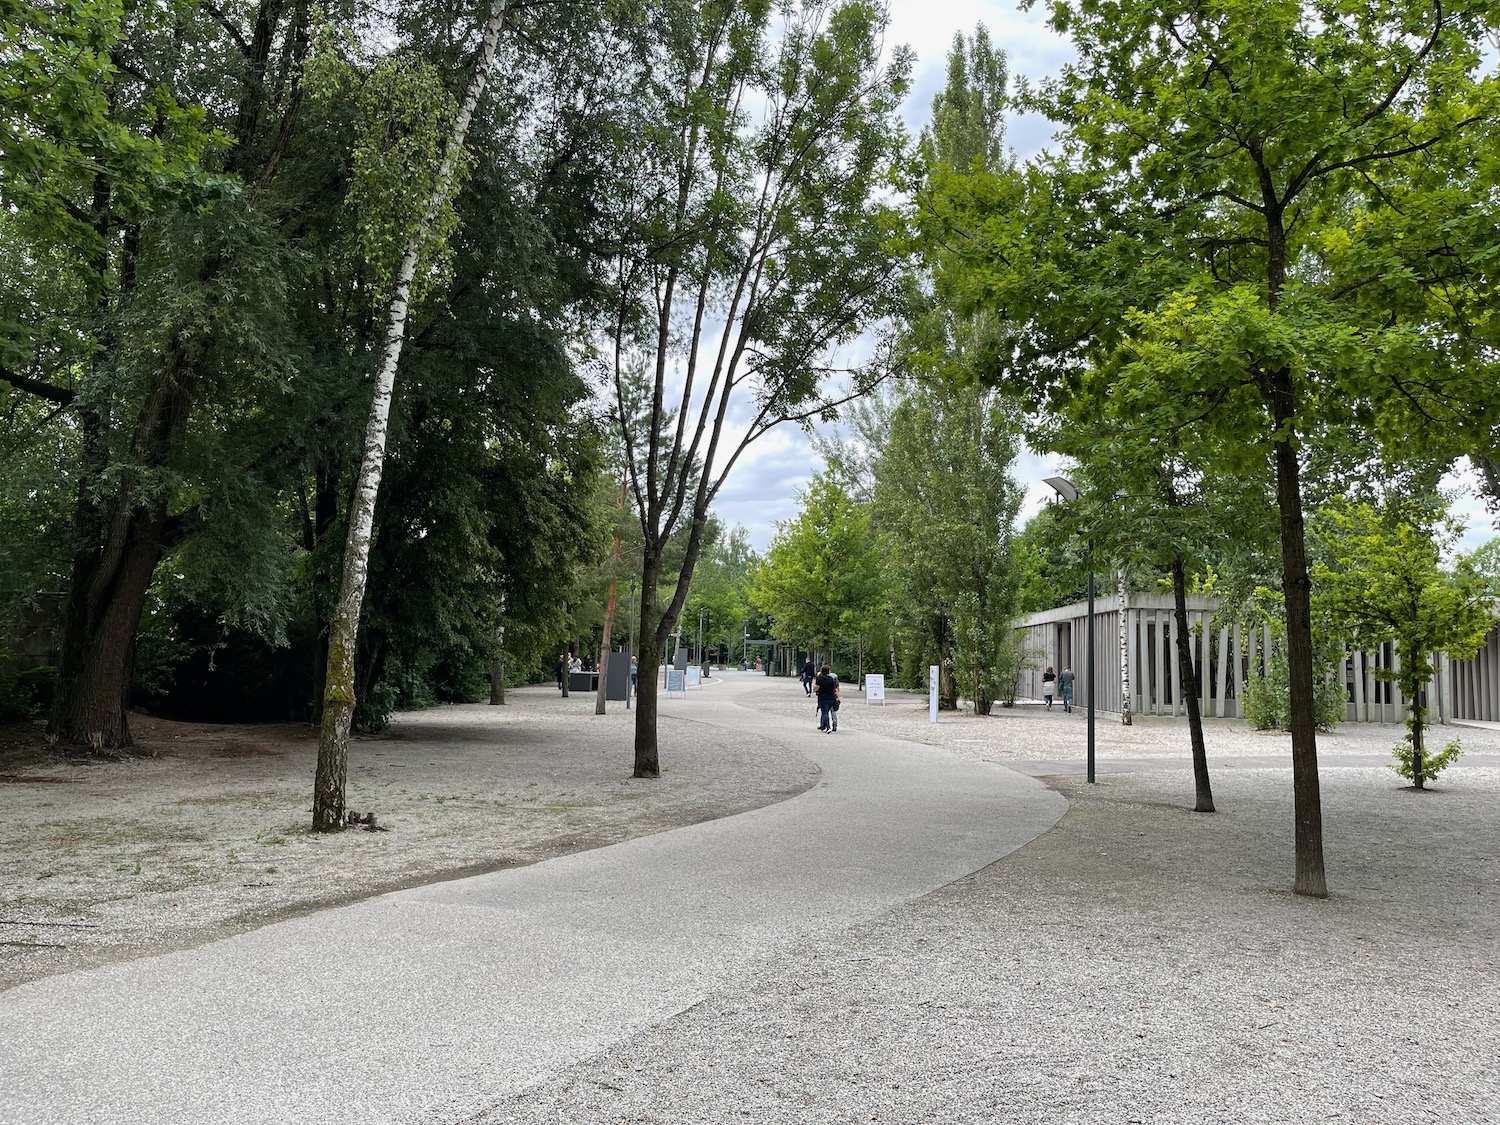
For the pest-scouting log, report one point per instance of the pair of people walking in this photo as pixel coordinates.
(827, 687)
(1063, 680)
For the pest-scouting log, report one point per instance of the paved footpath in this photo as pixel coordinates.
(429, 1005)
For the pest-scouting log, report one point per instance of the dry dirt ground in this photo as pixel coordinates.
(202, 830)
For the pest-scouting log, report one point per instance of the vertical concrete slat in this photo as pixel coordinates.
(1158, 685)
(1222, 686)
(1205, 665)
(1237, 671)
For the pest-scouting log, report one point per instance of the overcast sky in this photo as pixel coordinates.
(764, 485)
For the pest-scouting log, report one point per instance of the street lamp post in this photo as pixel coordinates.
(1065, 489)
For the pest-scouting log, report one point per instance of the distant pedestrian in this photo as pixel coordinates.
(1049, 682)
(560, 668)
(808, 674)
(634, 671)
(1065, 680)
(827, 685)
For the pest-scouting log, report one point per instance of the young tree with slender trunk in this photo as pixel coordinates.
(946, 505)
(755, 244)
(1383, 578)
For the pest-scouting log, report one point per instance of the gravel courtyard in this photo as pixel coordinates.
(1136, 963)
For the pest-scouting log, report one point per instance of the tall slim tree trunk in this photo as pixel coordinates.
(497, 669)
(1188, 678)
(1125, 716)
(609, 616)
(648, 661)
(343, 630)
(604, 656)
(1297, 588)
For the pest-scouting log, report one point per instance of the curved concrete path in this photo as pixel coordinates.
(430, 1004)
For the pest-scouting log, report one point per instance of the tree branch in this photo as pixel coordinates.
(39, 387)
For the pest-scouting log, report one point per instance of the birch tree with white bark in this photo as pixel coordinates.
(338, 692)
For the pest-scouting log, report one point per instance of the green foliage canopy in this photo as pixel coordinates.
(820, 580)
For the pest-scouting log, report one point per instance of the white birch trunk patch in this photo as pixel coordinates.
(343, 628)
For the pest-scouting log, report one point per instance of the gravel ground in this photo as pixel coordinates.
(1031, 733)
(1138, 963)
(203, 832)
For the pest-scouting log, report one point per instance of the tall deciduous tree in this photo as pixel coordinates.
(1214, 236)
(757, 242)
(820, 580)
(133, 136)
(946, 505)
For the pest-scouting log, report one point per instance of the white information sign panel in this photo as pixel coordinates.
(874, 688)
(932, 692)
(675, 681)
(694, 676)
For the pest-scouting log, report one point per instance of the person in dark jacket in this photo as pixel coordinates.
(827, 685)
(1049, 681)
(808, 672)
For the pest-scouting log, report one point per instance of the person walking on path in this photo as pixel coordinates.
(827, 685)
(1049, 681)
(560, 669)
(808, 672)
(1065, 681)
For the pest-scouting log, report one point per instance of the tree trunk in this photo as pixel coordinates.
(109, 583)
(648, 661)
(1188, 678)
(609, 617)
(497, 669)
(99, 647)
(343, 630)
(1297, 588)
(1418, 772)
(1125, 716)
(609, 625)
